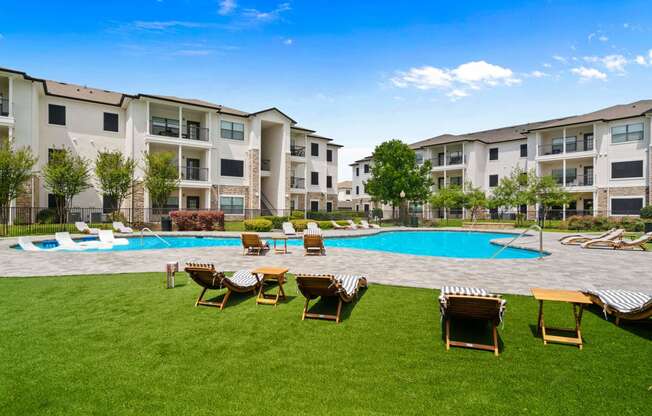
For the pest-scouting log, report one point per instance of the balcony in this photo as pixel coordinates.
(168, 127)
(574, 181)
(451, 159)
(4, 107)
(194, 174)
(297, 183)
(299, 151)
(572, 146)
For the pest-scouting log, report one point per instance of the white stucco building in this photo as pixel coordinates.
(228, 159)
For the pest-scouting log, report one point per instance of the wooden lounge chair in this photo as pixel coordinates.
(253, 245)
(620, 243)
(313, 243)
(345, 287)
(365, 224)
(623, 304)
(577, 239)
(205, 275)
(471, 303)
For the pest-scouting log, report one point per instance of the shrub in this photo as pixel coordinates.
(589, 223)
(646, 212)
(277, 222)
(47, 216)
(300, 225)
(297, 215)
(377, 213)
(334, 215)
(198, 220)
(258, 224)
(325, 225)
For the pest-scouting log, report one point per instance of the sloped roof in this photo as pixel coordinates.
(79, 92)
(615, 112)
(345, 184)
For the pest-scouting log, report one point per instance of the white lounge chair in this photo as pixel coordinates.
(67, 243)
(577, 239)
(365, 224)
(84, 228)
(352, 225)
(27, 245)
(339, 227)
(120, 227)
(313, 226)
(620, 243)
(106, 236)
(288, 229)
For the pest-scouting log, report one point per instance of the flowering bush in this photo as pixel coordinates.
(604, 223)
(198, 220)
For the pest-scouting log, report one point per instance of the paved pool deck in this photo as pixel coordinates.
(567, 267)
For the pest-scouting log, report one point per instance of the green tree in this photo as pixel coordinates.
(513, 191)
(548, 193)
(395, 170)
(15, 170)
(66, 175)
(114, 174)
(161, 176)
(448, 197)
(474, 199)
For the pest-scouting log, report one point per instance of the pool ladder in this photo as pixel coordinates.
(533, 226)
(142, 234)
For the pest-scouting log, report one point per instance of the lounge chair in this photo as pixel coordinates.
(365, 224)
(106, 236)
(312, 286)
(340, 227)
(205, 275)
(620, 243)
(471, 303)
(120, 227)
(67, 243)
(313, 243)
(313, 226)
(253, 245)
(85, 229)
(353, 225)
(288, 229)
(623, 304)
(577, 239)
(27, 245)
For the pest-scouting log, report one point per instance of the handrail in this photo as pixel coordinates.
(142, 232)
(535, 226)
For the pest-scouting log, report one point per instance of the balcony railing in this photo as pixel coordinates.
(4, 106)
(451, 159)
(266, 165)
(572, 181)
(298, 150)
(195, 133)
(571, 147)
(297, 183)
(194, 174)
(169, 127)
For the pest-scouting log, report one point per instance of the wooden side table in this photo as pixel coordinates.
(276, 274)
(280, 250)
(577, 299)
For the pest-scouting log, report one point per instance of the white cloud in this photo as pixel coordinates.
(457, 82)
(288, 41)
(269, 16)
(537, 74)
(615, 63)
(226, 7)
(547, 65)
(587, 74)
(560, 58)
(603, 38)
(640, 59)
(164, 25)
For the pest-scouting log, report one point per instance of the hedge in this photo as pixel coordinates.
(277, 222)
(335, 215)
(646, 212)
(198, 220)
(589, 223)
(258, 224)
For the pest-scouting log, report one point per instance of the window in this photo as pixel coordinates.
(357, 171)
(314, 206)
(347, 192)
(230, 167)
(232, 204)
(357, 208)
(192, 202)
(633, 169)
(455, 180)
(329, 181)
(366, 168)
(314, 149)
(109, 204)
(329, 155)
(233, 131)
(314, 178)
(57, 114)
(524, 150)
(329, 206)
(493, 153)
(366, 208)
(626, 206)
(493, 180)
(627, 133)
(110, 122)
(357, 190)
(419, 158)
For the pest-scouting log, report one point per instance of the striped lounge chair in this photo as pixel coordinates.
(206, 276)
(343, 286)
(471, 303)
(623, 304)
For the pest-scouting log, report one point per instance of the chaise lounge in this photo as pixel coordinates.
(345, 287)
(620, 243)
(577, 239)
(85, 229)
(253, 245)
(313, 243)
(623, 304)
(205, 275)
(471, 303)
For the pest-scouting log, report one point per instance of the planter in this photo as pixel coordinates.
(166, 224)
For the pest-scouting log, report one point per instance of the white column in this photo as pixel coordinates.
(209, 156)
(179, 156)
(564, 139)
(563, 164)
(149, 121)
(207, 198)
(11, 96)
(595, 197)
(11, 134)
(180, 198)
(445, 156)
(538, 143)
(180, 120)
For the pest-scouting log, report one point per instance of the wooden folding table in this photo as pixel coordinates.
(271, 273)
(577, 299)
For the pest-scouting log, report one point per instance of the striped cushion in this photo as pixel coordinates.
(624, 301)
(467, 291)
(349, 283)
(244, 279)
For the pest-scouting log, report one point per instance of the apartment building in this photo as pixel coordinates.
(228, 159)
(360, 199)
(344, 196)
(603, 158)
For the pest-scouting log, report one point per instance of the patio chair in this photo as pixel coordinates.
(340, 227)
(313, 226)
(27, 245)
(120, 227)
(66, 242)
(620, 243)
(288, 229)
(253, 245)
(205, 275)
(577, 239)
(623, 304)
(345, 287)
(85, 229)
(353, 225)
(313, 243)
(106, 236)
(365, 224)
(471, 303)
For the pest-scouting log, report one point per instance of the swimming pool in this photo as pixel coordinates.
(458, 244)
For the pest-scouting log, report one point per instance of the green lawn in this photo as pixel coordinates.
(124, 345)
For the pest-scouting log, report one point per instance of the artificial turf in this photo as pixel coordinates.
(124, 345)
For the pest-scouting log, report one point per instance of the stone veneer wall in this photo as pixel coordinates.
(138, 202)
(603, 195)
(301, 196)
(253, 201)
(317, 196)
(218, 190)
(25, 202)
(333, 199)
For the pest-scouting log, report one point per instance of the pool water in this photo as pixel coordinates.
(468, 245)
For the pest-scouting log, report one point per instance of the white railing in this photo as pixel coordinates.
(533, 226)
(142, 234)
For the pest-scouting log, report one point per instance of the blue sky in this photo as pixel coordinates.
(358, 71)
